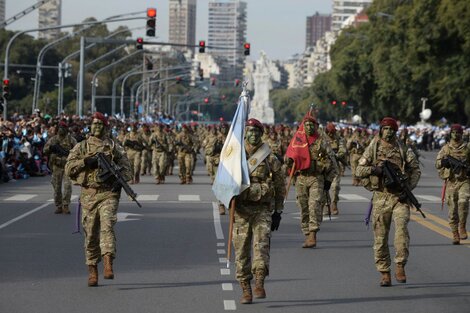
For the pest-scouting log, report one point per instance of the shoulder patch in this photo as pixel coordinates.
(362, 161)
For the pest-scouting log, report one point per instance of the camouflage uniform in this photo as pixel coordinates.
(309, 188)
(252, 223)
(184, 144)
(386, 202)
(457, 184)
(338, 148)
(355, 146)
(57, 165)
(213, 148)
(160, 148)
(99, 200)
(146, 161)
(134, 144)
(208, 149)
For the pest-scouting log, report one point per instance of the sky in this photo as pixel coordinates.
(276, 27)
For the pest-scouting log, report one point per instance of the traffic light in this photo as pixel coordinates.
(333, 102)
(151, 22)
(6, 89)
(247, 47)
(206, 100)
(67, 70)
(237, 82)
(139, 43)
(202, 46)
(343, 103)
(148, 64)
(178, 79)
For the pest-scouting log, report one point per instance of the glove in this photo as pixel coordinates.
(326, 185)
(289, 162)
(402, 197)
(445, 163)
(91, 162)
(276, 221)
(116, 187)
(377, 171)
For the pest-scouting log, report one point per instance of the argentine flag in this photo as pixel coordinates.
(232, 176)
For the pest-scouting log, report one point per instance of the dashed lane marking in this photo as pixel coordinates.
(229, 305)
(189, 198)
(227, 286)
(225, 271)
(20, 197)
(429, 198)
(217, 226)
(148, 197)
(352, 197)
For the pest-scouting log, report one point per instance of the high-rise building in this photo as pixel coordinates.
(50, 14)
(182, 19)
(2, 11)
(227, 30)
(342, 10)
(317, 25)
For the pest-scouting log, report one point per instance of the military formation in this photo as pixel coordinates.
(385, 162)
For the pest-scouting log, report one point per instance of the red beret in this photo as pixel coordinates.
(63, 124)
(457, 127)
(310, 118)
(100, 116)
(255, 123)
(331, 128)
(389, 121)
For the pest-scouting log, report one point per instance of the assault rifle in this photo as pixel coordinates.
(456, 165)
(395, 180)
(111, 169)
(159, 145)
(185, 147)
(59, 150)
(133, 144)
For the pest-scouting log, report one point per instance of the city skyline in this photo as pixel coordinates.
(277, 27)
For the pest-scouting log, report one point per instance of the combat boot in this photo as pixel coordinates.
(456, 237)
(400, 275)
(58, 210)
(221, 209)
(259, 291)
(108, 267)
(310, 240)
(162, 179)
(334, 208)
(463, 231)
(386, 280)
(92, 275)
(247, 296)
(189, 180)
(158, 180)
(183, 181)
(65, 209)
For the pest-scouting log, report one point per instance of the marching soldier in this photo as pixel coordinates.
(257, 212)
(146, 160)
(338, 147)
(456, 174)
(313, 181)
(355, 146)
(389, 202)
(99, 199)
(160, 149)
(134, 144)
(184, 142)
(57, 149)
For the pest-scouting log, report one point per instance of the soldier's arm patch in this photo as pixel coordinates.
(363, 161)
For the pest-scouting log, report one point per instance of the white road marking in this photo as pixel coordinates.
(429, 198)
(189, 198)
(224, 271)
(223, 260)
(229, 305)
(71, 199)
(227, 286)
(220, 251)
(218, 227)
(148, 197)
(221, 244)
(122, 217)
(351, 196)
(24, 215)
(20, 197)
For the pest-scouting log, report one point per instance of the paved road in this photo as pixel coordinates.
(171, 256)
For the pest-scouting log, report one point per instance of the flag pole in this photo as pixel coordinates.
(230, 231)
(289, 182)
